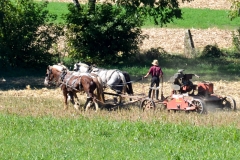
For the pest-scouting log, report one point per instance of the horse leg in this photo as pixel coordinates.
(96, 104)
(70, 97)
(87, 104)
(73, 95)
(76, 104)
(65, 99)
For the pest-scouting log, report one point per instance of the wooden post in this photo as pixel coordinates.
(189, 49)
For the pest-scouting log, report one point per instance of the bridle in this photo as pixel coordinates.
(48, 74)
(59, 80)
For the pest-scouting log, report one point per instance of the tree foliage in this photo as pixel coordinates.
(112, 33)
(106, 37)
(25, 33)
(235, 9)
(211, 51)
(162, 11)
(234, 13)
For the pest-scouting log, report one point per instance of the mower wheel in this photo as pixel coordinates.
(200, 106)
(229, 104)
(147, 104)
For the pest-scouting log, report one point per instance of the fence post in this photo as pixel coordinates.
(189, 49)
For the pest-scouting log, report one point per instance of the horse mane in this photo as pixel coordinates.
(83, 64)
(60, 67)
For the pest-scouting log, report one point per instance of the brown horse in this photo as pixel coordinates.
(71, 84)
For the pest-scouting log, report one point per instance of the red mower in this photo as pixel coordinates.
(199, 98)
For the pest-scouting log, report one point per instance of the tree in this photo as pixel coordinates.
(109, 33)
(26, 34)
(161, 11)
(234, 13)
(235, 9)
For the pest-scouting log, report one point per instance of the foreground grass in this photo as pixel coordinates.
(35, 126)
(83, 138)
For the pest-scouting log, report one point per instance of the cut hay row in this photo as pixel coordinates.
(49, 102)
(223, 88)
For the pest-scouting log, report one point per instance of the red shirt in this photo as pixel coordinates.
(155, 71)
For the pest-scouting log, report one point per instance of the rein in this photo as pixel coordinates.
(130, 82)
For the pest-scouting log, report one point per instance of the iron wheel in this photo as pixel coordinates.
(229, 104)
(147, 104)
(200, 106)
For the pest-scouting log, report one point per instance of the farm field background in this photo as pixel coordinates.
(208, 23)
(35, 126)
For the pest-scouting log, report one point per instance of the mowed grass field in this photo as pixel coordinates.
(35, 126)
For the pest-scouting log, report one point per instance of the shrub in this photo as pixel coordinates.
(109, 36)
(236, 40)
(211, 51)
(26, 34)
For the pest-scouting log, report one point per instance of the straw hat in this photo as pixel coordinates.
(155, 62)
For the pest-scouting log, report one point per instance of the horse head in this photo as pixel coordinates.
(95, 70)
(54, 73)
(49, 76)
(81, 67)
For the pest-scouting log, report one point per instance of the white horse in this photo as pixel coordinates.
(112, 78)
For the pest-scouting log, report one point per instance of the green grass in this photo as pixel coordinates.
(203, 19)
(82, 138)
(192, 18)
(207, 68)
(59, 9)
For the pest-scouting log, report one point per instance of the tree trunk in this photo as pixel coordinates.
(76, 4)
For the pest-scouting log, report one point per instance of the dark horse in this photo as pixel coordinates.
(71, 84)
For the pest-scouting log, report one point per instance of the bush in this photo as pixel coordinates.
(109, 36)
(236, 40)
(211, 51)
(26, 34)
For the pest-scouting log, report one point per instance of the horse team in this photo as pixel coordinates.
(88, 79)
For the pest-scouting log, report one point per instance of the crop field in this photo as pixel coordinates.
(35, 126)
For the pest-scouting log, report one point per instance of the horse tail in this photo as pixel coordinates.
(123, 81)
(99, 84)
(129, 83)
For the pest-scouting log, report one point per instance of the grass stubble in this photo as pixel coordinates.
(49, 102)
(35, 126)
